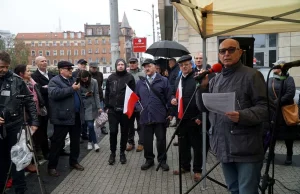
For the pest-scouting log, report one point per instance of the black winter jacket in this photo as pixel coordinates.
(116, 87)
(99, 77)
(12, 86)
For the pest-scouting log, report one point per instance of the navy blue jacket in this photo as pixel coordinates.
(154, 111)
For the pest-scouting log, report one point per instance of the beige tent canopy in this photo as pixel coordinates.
(239, 17)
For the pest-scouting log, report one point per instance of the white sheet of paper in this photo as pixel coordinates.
(219, 103)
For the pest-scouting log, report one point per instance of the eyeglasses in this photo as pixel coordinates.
(230, 50)
(68, 68)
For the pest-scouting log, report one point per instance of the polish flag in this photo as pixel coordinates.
(179, 100)
(129, 102)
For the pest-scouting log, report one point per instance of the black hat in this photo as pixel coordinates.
(185, 58)
(82, 62)
(148, 61)
(93, 64)
(133, 59)
(62, 64)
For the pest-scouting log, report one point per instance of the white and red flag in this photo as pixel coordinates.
(129, 102)
(179, 100)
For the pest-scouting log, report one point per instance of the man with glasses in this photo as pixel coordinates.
(236, 137)
(66, 114)
(137, 73)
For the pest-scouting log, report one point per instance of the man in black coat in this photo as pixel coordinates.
(189, 135)
(41, 76)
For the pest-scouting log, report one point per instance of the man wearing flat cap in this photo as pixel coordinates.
(66, 114)
(189, 130)
(97, 75)
(137, 73)
(153, 93)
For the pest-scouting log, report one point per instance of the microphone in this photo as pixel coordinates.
(286, 66)
(216, 68)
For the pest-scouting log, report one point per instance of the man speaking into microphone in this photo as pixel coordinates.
(236, 137)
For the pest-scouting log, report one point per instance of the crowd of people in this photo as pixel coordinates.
(72, 100)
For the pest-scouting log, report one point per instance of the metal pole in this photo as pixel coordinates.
(114, 32)
(153, 23)
(204, 124)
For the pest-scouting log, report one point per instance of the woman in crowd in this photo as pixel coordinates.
(91, 102)
(287, 98)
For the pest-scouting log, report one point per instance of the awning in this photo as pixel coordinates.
(239, 17)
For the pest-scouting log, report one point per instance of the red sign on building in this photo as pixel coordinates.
(139, 45)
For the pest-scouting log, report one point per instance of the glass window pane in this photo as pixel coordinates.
(259, 56)
(272, 57)
(272, 40)
(260, 41)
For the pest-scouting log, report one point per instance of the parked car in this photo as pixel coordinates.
(265, 71)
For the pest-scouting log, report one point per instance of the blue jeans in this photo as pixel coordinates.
(242, 178)
(92, 134)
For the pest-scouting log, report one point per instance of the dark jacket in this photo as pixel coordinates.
(99, 77)
(42, 81)
(12, 86)
(153, 109)
(242, 141)
(62, 101)
(188, 88)
(115, 89)
(173, 74)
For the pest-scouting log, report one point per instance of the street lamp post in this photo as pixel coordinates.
(152, 16)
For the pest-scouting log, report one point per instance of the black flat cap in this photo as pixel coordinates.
(82, 61)
(148, 61)
(62, 64)
(93, 64)
(133, 59)
(185, 58)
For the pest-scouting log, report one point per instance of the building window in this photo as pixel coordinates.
(90, 60)
(62, 52)
(96, 41)
(65, 35)
(55, 62)
(47, 53)
(97, 50)
(33, 62)
(128, 32)
(99, 31)
(97, 60)
(32, 43)
(48, 62)
(82, 43)
(103, 41)
(89, 31)
(89, 41)
(40, 43)
(54, 52)
(82, 52)
(75, 61)
(72, 34)
(70, 60)
(90, 51)
(69, 53)
(103, 59)
(79, 35)
(33, 53)
(75, 43)
(54, 43)
(68, 43)
(104, 50)
(61, 43)
(40, 53)
(75, 52)
(47, 43)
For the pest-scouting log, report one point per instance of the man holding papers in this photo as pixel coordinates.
(236, 136)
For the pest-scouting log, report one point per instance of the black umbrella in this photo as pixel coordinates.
(167, 49)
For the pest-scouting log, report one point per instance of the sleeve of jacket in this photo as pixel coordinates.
(107, 92)
(100, 86)
(131, 83)
(258, 113)
(30, 106)
(96, 94)
(57, 93)
(290, 91)
(43, 91)
(138, 105)
(173, 109)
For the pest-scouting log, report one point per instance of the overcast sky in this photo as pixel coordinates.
(43, 15)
